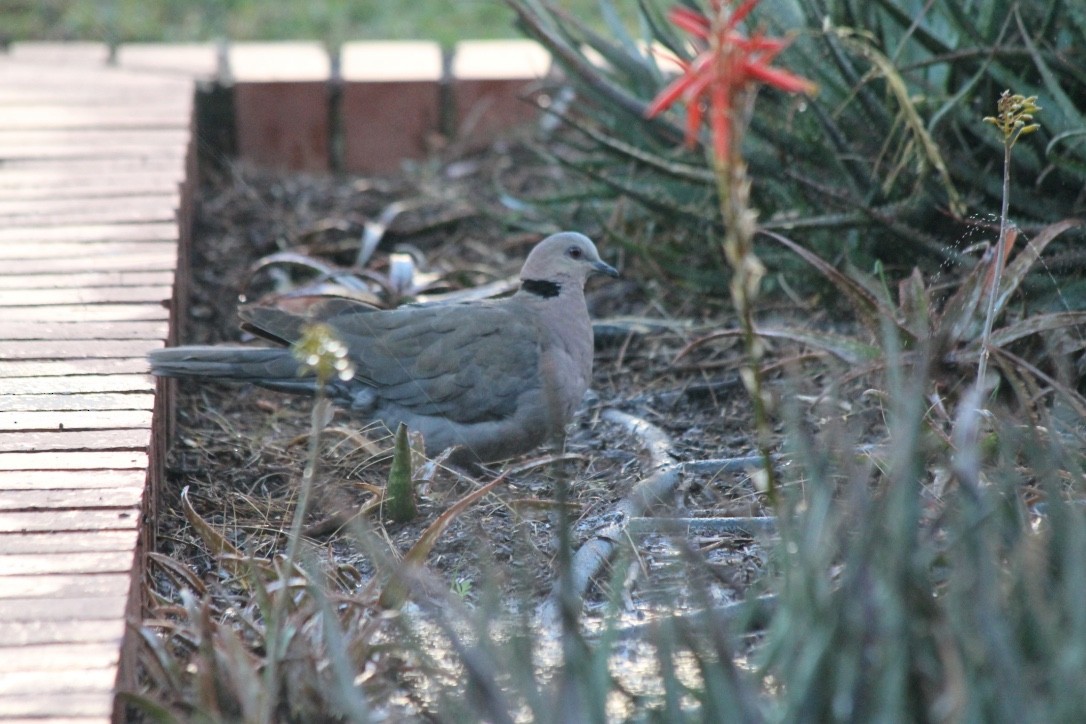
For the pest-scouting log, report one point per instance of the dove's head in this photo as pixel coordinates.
(564, 258)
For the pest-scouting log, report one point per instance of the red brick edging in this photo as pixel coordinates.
(387, 101)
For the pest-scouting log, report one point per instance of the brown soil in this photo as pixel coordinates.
(241, 450)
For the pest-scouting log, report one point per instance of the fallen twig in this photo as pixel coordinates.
(672, 526)
(592, 556)
(628, 513)
(716, 466)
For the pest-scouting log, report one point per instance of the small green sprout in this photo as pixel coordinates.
(400, 491)
(462, 587)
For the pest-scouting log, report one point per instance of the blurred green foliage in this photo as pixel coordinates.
(332, 21)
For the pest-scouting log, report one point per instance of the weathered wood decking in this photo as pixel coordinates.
(96, 176)
(94, 163)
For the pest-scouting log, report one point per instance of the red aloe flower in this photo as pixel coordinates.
(730, 64)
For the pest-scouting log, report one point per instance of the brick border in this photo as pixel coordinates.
(294, 106)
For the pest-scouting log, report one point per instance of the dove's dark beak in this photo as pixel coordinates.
(602, 267)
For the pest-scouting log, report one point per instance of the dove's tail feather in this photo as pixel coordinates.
(268, 367)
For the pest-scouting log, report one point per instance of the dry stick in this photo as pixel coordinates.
(753, 525)
(655, 441)
(750, 526)
(716, 466)
(592, 556)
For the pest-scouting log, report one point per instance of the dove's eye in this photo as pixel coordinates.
(575, 252)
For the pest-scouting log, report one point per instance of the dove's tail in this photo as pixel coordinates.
(268, 367)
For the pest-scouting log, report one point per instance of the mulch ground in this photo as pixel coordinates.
(240, 450)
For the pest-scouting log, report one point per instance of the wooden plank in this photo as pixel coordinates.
(94, 655)
(96, 706)
(83, 233)
(57, 115)
(73, 367)
(95, 331)
(89, 313)
(73, 385)
(45, 683)
(66, 520)
(49, 53)
(489, 79)
(94, 585)
(29, 633)
(66, 563)
(35, 249)
(79, 151)
(75, 440)
(119, 214)
(30, 145)
(25, 84)
(77, 295)
(199, 60)
(12, 481)
(151, 137)
(57, 719)
(61, 203)
(50, 349)
(76, 402)
(94, 211)
(74, 420)
(281, 104)
(35, 184)
(86, 608)
(161, 258)
(84, 89)
(90, 460)
(84, 280)
(40, 83)
(35, 500)
(93, 160)
(83, 166)
(73, 541)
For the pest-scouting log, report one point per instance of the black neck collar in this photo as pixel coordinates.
(541, 288)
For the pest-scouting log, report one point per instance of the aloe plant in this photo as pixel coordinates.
(886, 163)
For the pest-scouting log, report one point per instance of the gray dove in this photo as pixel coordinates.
(496, 377)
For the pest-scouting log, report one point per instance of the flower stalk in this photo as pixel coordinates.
(1013, 119)
(740, 225)
(723, 81)
(320, 353)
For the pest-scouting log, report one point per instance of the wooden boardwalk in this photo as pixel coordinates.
(94, 204)
(96, 176)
